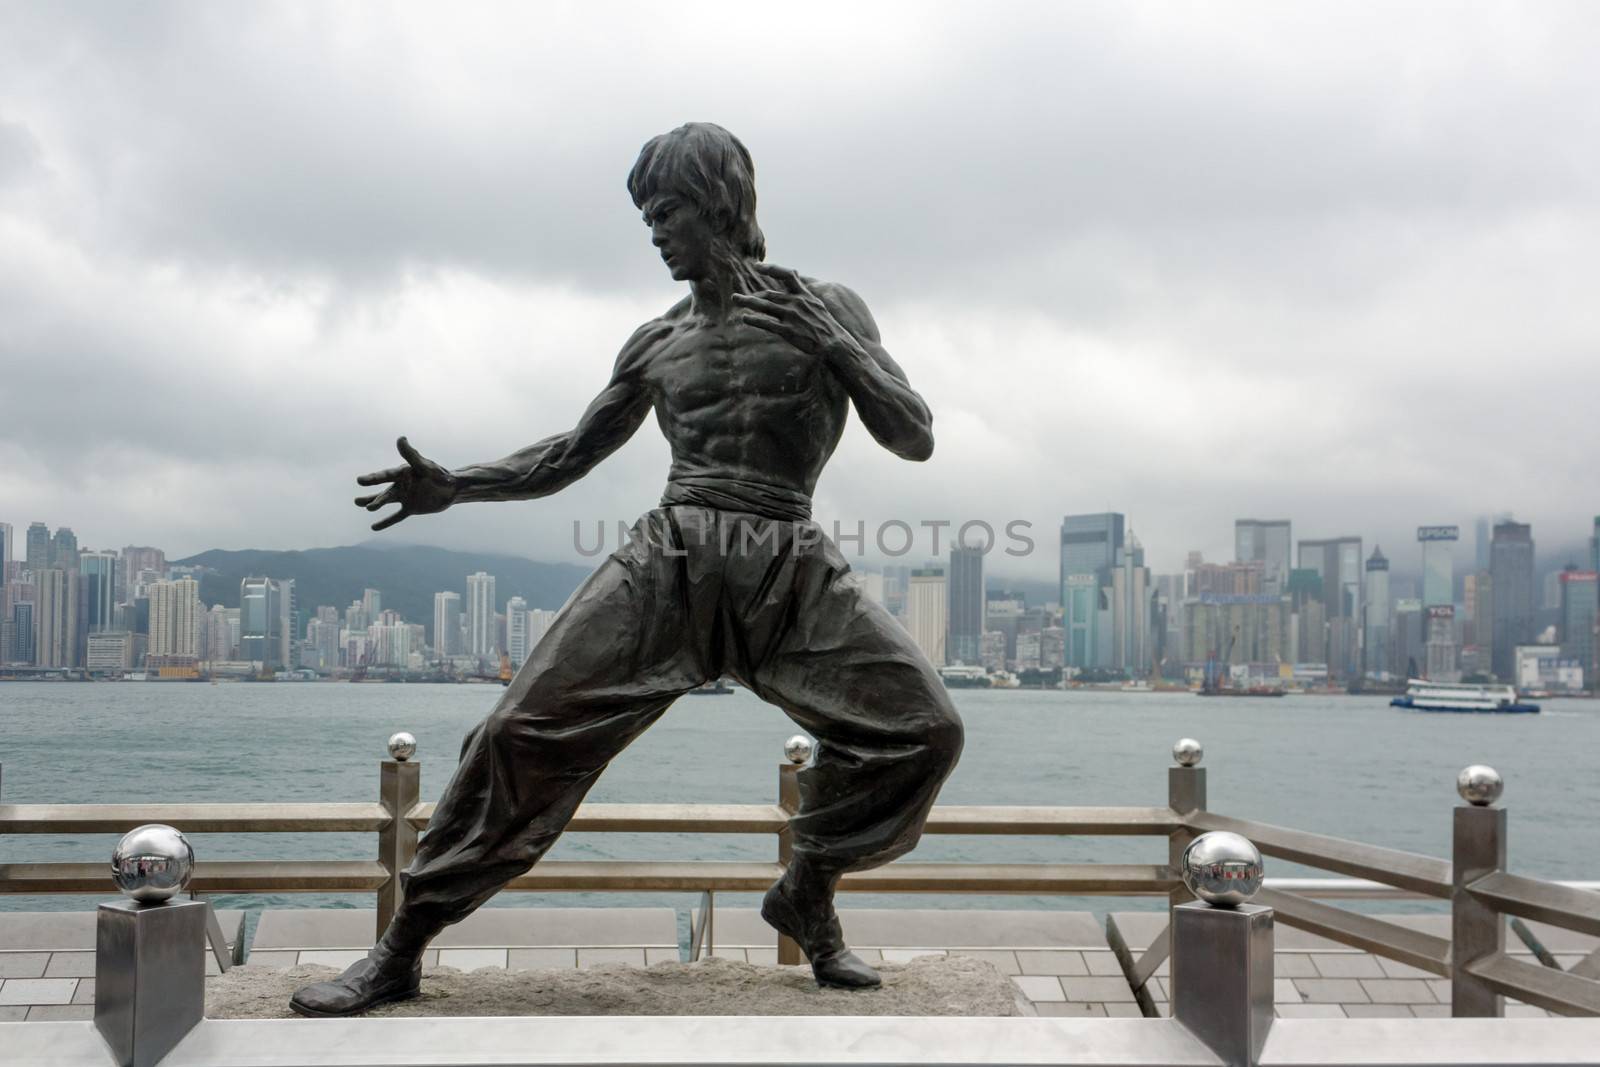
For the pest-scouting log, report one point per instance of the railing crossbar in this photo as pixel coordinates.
(1404, 870)
(1559, 991)
(1399, 943)
(1545, 902)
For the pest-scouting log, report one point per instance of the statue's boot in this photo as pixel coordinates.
(391, 971)
(802, 908)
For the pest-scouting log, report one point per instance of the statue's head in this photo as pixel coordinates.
(703, 168)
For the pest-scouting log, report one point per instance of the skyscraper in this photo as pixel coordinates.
(517, 644)
(1438, 563)
(1092, 547)
(7, 548)
(97, 595)
(64, 549)
(38, 546)
(446, 624)
(55, 616)
(260, 622)
(1594, 546)
(1511, 573)
(372, 603)
(966, 605)
(175, 622)
(1266, 541)
(927, 612)
(1376, 608)
(1580, 602)
(480, 615)
(1338, 562)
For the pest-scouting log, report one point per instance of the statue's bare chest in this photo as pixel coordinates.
(701, 366)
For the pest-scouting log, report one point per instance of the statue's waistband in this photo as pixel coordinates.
(732, 494)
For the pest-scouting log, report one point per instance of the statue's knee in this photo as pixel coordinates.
(945, 736)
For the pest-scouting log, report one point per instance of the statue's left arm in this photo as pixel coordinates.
(834, 323)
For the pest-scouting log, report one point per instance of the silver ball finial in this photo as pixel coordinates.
(152, 863)
(1188, 752)
(797, 748)
(1222, 869)
(1480, 785)
(402, 746)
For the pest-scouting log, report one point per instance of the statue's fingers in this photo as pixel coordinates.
(366, 501)
(379, 477)
(790, 279)
(768, 323)
(763, 304)
(390, 520)
(409, 454)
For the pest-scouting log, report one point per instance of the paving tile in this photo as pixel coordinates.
(540, 959)
(1440, 988)
(1377, 1011)
(37, 990)
(1398, 991)
(593, 957)
(1525, 1011)
(1393, 969)
(332, 957)
(1102, 963)
(1284, 992)
(85, 993)
(1124, 1011)
(1163, 1009)
(1309, 1011)
(1163, 990)
(23, 964)
(1040, 988)
(1346, 965)
(71, 965)
(761, 957)
(1331, 990)
(471, 959)
(273, 958)
(1051, 961)
(1294, 965)
(1063, 1008)
(1005, 962)
(1106, 990)
(52, 1013)
(1431, 1011)
(906, 955)
(331, 928)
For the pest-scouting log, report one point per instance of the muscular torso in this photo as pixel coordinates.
(741, 405)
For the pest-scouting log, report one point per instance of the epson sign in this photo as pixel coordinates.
(1438, 533)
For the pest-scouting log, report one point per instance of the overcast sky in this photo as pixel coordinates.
(1186, 262)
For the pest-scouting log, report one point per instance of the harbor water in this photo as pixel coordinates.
(1343, 765)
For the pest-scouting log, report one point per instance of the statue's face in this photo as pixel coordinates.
(685, 237)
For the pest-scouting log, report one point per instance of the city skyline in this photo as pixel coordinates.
(1291, 286)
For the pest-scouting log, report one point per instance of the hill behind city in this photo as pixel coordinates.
(406, 575)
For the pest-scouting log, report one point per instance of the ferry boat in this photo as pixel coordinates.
(1448, 696)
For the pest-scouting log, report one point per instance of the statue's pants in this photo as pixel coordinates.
(694, 595)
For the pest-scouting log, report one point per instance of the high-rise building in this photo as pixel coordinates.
(389, 640)
(137, 560)
(1580, 603)
(1376, 646)
(97, 594)
(1338, 561)
(64, 549)
(24, 634)
(966, 605)
(1092, 546)
(1266, 541)
(7, 550)
(1511, 572)
(372, 602)
(481, 615)
(1440, 651)
(1594, 546)
(175, 621)
(38, 546)
(1438, 564)
(517, 644)
(927, 611)
(260, 622)
(539, 620)
(55, 617)
(446, 624)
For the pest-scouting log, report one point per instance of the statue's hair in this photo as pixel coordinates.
(707, 165)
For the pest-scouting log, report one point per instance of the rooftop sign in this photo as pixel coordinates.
(1438, 533)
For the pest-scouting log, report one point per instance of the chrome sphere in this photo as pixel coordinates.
(152, 863)
(798, 748)
(1222, 869)
(402, 746)
(1480, 785)
(1188, 752)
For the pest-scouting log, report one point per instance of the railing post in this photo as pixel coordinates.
(1186, 793)
(399, 789)
(797, 751)
(1476, 929)
(1222, 965)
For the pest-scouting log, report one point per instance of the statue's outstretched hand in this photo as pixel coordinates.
(795, 313)
(420, 487)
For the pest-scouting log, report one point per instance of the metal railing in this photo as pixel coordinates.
(1481, 892)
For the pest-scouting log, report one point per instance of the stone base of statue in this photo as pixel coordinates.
(931, 985)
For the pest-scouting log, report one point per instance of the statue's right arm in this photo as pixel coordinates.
(557, 462)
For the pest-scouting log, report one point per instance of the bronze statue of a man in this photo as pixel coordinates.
(751, 377)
